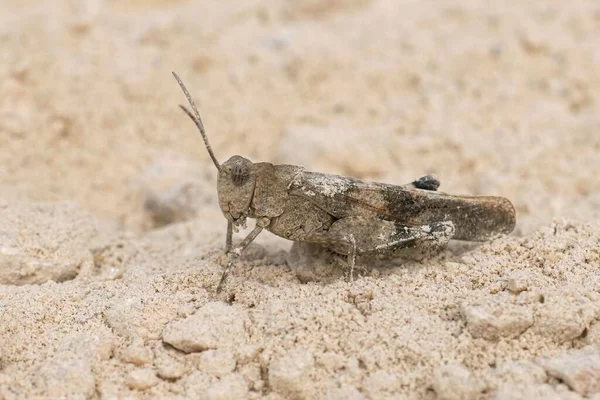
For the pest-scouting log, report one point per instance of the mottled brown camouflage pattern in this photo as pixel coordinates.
(350, 216)
(347, 215)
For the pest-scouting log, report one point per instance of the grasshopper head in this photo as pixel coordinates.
(237, 176)
(235, 185)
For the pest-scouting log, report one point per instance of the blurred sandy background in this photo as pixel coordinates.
(111, 236)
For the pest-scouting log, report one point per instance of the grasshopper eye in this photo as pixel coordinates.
(239, 174)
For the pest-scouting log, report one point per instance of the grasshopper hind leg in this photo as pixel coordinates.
(427, 241)
(359, 236)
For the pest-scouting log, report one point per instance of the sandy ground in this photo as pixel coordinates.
(111, 239)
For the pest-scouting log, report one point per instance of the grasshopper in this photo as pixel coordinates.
(348, 216)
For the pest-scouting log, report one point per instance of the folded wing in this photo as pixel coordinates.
(475, 218)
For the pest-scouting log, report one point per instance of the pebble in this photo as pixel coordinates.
(169, 368)
(136, 353)
(517, 282)
(491, 319)
(141, 379)
(580, 369)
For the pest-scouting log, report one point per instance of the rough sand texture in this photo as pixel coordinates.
(111, 240)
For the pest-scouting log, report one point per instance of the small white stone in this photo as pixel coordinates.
(169, 368)
(517, 282)
(136, 353)
(580, 370)
(469, 260)
(491, 319)
(521, 371)
(141, 379)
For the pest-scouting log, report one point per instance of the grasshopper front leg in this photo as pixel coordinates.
(229, 237)
(237, 251)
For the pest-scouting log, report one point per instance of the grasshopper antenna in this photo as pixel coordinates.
(197, 120)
